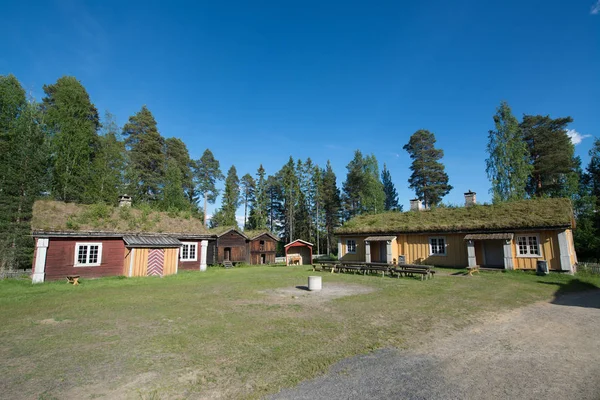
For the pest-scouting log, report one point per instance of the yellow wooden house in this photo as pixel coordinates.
(514, 235)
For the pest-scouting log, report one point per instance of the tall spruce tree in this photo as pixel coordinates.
(289, 194)
(353, 186)
(259, 209)
(73, 122)
(108, 167)
(248, 190)
(330, 195)
(23, 164)
(231, 201)
(428, 179)
(587, 209)
(391, 196)
(146, 155)
(552, 156)
(207, 171)
(302, 215)
(508, 166)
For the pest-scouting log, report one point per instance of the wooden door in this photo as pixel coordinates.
(227, 254)
(156, 262)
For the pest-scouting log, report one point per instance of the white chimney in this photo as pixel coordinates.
(124, 201)
(470, 199)
(416, 205)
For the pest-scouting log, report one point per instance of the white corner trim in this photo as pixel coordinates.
(563, 247)
(131, 256)
(39, 271)
(203, 253)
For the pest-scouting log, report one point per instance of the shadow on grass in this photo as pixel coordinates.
(576, 293)
(302, 287)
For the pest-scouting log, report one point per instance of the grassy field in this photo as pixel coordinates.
(239, 333)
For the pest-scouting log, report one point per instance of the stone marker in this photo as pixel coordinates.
(314, 283)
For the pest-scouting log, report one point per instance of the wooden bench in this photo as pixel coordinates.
(227, 264)
(73, 279)
(425, 272)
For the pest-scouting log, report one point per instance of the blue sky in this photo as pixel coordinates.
(258, 81)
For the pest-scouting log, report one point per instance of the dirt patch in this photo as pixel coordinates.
(52, 321)
(330, 291)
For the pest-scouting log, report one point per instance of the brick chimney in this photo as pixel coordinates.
(416, 205)
(124, 201)
(470, 199)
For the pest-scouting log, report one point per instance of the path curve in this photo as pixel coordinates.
(543, 351)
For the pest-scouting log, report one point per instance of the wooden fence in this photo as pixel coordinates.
(591, 268)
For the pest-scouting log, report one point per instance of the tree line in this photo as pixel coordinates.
(535, 157)
(60, 148)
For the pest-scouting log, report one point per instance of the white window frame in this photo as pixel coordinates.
(195, 258)
(529, 254)
(348, 246)
(76, 262)
(437, 238)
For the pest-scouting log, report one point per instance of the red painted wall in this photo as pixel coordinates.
(61, 256)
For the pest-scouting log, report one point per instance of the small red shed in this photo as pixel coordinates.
(298, 252)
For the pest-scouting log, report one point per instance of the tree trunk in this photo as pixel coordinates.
(205, 203)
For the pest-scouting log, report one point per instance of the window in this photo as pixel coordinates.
(188, 251)
(528, 246)
(437, 246)
(88, 254)
(351, 246)
(261, 245)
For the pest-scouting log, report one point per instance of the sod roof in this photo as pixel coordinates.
(253, 234)
(58, 217)
(518, 215)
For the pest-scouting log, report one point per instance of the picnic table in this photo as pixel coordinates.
(425, 271)
(325, 265)
(73, 279)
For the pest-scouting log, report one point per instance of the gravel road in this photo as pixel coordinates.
(543, 351)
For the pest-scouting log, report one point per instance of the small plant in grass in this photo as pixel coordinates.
(72, 224)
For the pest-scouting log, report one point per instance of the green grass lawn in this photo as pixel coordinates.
(229, 333)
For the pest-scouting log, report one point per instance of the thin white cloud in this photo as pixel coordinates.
(595, 8)
(575, 136)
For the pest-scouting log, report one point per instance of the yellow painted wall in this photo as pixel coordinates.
(395, 250)
(170, 266)
(416, 250)
(140, 263)
(360, 249)
(550, 251)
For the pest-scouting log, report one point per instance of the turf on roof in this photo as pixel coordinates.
(56, 216)
(254, 233)
(537, 213)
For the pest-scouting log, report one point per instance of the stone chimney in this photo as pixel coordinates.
(124, 201)
(416, 205)
(470, 199)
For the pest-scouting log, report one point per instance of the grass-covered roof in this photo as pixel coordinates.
(258, 232)
(536, 213)
(56, 216)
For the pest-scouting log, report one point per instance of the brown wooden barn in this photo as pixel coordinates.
(231, 245)
(298, 252)
(69, 242)
(262, 247)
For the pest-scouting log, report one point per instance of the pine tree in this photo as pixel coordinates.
(363, 191)
(274, 208)
(73, 122)
(428, 178)
(248, 189)
(391, 196)
(231, 201)
(587, 209)
(23, 164)
(177, 150)
(207, 171)
(146, 154)
(552, 156)
(108, 167)
(173, 197)
(508, 165)
(330, 195)
(302, 222)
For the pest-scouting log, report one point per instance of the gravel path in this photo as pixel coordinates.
(543, 351)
